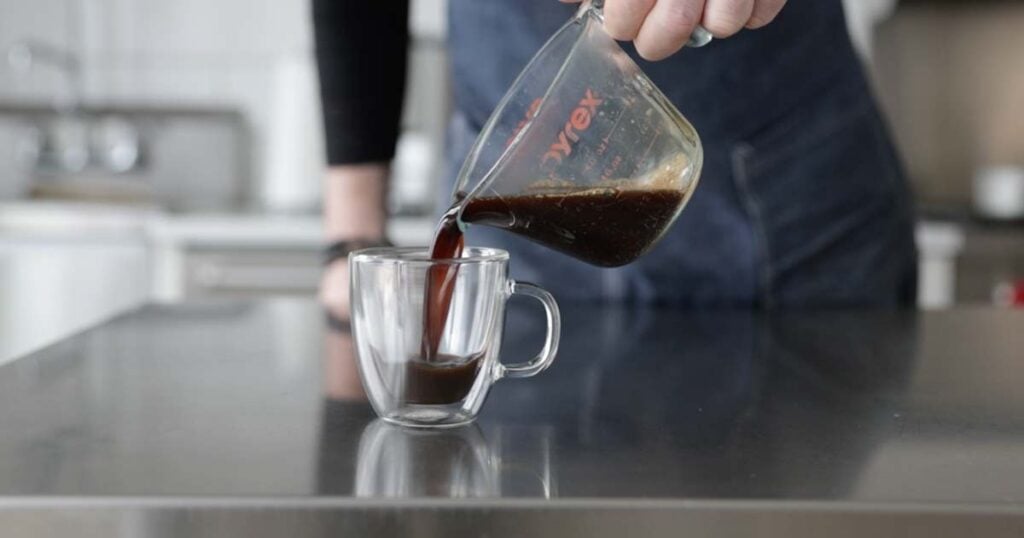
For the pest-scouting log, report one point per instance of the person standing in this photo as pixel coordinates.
(802, 202)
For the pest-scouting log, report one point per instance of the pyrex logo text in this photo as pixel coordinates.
(579, 121)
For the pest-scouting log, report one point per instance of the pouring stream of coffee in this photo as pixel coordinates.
(610, 172)
(605, 227)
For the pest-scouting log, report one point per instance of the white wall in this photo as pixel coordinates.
(38, 19)
(253, 55)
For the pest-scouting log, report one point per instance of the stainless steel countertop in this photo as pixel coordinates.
(226, 419)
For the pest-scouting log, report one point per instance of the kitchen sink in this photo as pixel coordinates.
(181, 159)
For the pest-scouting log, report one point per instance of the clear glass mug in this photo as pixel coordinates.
(387, 308)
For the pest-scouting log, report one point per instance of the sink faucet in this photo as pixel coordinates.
(75, 139)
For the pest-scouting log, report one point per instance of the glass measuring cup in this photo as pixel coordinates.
(583, 154)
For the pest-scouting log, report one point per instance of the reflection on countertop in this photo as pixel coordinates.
(242, 399)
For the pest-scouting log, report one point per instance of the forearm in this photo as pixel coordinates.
(361, 52)
(355, 199)
(361, 55)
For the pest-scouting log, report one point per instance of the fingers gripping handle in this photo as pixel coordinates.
(698, 38)
(554, 327)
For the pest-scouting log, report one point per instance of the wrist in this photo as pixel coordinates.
(354, 202)
(338, 250)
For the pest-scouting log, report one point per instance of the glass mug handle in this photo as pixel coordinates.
(698, 38)
(543, 359)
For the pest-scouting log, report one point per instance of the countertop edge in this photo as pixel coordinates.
(437, 503)
(591, 518)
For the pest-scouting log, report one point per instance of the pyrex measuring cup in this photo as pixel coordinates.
(583, 154)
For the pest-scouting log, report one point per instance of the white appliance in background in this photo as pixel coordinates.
(294, 151)
(938, 245)
(413, 181)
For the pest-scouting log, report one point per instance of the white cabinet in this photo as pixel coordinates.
(232, 255)
(51, 287)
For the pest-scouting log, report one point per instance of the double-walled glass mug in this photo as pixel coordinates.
(448, 386)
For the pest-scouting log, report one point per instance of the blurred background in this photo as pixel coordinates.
(171, 150)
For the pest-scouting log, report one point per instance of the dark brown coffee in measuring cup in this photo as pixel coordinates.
(606, 227)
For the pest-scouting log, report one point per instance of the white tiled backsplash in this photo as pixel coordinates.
(39, 19)
(253, 55)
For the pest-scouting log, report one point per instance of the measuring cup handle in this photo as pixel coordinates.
(698, 38)
(543, 359)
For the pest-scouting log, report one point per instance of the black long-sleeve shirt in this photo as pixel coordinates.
(362, 52)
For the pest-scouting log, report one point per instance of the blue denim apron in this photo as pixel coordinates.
(802, 201)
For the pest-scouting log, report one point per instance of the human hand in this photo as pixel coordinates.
(659, 28)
